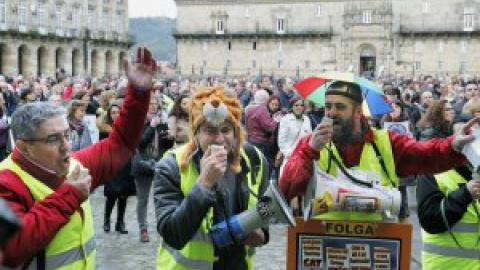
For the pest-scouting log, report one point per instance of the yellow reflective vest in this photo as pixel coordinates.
(198, 253)
(73, 247)
(440, 251)
(368, 162)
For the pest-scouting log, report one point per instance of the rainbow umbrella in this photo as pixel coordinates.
(314, 88)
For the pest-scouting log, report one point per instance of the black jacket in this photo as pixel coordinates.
(429, 198)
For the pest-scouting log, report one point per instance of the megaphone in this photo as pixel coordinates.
(271, 209)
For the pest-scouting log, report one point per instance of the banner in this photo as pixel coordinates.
(345, 245)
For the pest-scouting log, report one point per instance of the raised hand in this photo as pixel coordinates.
(140, 74)
(465, 135)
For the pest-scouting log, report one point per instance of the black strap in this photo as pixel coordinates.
(254, 161)
(382, 163)
(351, 177)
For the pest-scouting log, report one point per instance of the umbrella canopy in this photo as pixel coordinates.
(314, 88)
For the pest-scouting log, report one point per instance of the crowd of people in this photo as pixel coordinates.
(167, 144)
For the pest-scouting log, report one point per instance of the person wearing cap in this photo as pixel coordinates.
(48, 186)
(349, 142)
(448, 212)
(211, 178)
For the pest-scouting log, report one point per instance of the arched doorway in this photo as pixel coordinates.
(121, 57)
(367, 61)
(108, 63)
(22, 60)
(76, 62)
(94, 63)
(41, 60)
(59, 58)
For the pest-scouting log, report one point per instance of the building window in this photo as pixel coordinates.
(205, 46)
(59, 17)
(105, 21)
(441, 65)
(76, 18)
(91, 18)
(426, 7)
(418, 65)
(307, 63)
(229, 46)
(367, 16)
(463, 46)
(281, 25)
(441, 46)
(3, 12)
(220, 27)
(228, 63)
(22, 14)
(120, 25)
(468, 20)
(204, 63)
(319, 11)
(41, 14)
(280, 63)
(463, 67)
(247, 12)
(254, 46)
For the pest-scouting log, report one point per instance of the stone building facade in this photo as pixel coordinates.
(84, 37)
(305, 37)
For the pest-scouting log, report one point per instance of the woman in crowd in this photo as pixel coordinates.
(293, 126)
(121, 186)
(106, 99)
(437, 121)
(154, 143)
(398, 114)
(80, 132)
(178, 120)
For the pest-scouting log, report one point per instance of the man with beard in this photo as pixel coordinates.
(349, 142)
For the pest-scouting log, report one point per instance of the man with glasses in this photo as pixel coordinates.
(206, 181)
(349, 142)
(48, 186)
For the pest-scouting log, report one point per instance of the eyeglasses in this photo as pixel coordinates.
(56, 139)
(214, 131)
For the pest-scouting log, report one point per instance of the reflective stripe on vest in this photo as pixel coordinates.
(368, 162)
(187, 262)
(73, 247)
(464, 253)
(198, 253)
(67, 257)
(440, 250)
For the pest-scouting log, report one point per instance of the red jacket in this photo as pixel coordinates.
(410, 157)
(42, 220)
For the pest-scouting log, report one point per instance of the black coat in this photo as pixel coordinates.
(122, 184)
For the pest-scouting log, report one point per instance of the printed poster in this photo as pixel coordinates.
(326, 252)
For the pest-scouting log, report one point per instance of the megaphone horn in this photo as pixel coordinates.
(271, 209)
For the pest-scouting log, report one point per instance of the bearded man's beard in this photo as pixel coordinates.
(344, 134)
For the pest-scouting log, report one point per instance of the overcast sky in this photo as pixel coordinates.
(152, 8)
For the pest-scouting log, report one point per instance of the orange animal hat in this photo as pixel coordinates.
(211, 104)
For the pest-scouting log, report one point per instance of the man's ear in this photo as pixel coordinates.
(358, 111)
